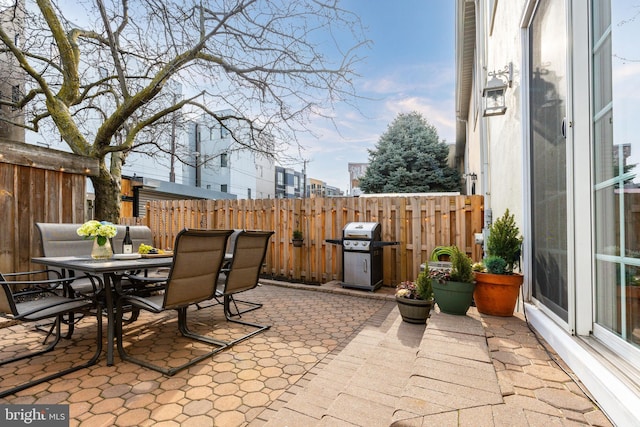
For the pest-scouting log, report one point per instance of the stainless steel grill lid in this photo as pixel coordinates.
(362, 230)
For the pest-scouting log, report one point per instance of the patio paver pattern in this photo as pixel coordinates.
(329, 359)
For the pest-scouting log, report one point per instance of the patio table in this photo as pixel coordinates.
(109, 274)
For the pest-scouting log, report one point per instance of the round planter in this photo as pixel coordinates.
(453, 297)
(497, 294)
(297, 242)
(414, 310)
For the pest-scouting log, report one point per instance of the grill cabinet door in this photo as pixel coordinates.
(357, 268)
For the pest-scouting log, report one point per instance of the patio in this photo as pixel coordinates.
(333, 356)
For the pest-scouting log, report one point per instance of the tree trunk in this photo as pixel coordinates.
(107, 192)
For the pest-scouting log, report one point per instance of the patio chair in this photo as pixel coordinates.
(63, 240)
(197, 260)
(35, 300)
(231, 243)
(242, 275)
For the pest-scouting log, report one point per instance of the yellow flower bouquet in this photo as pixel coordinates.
(98, 230)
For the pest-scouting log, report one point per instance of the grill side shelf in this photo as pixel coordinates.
(379, 243)
(334, 241)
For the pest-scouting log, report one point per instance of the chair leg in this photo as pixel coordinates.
(135, 312)
(201, 306)
(182, 318)
(238, 312)
(228, 315)
(185, 331)
(70, 321)
(55, 326)
(59, 374)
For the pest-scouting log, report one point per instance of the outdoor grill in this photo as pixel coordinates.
(361, 255)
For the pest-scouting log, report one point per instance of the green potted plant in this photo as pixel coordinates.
(415, 299)
(297, 238)
(498, 286)
(453, 287)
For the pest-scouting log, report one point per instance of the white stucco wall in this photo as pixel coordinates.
(474, 153)
(504, 133)
(265, 178)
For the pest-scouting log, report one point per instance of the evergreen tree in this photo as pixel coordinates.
(409, 158)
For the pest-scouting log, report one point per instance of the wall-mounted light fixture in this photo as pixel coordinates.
(494, 91)
(473, 178)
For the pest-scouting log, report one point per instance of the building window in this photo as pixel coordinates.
(224, 132)
(248, 193)
(223, 188)
(224, 160)
(280, 178)
(15, 96)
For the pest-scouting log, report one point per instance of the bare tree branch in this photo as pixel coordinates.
(99, 73)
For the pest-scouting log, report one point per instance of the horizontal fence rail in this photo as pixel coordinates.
(418, 223)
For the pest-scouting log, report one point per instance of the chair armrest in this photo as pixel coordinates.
(33, 287)
(30, 273)
(52, 306)
(141, 284)
(145, 279)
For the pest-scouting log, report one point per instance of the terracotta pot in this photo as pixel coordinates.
(414, 310)
(497, 294)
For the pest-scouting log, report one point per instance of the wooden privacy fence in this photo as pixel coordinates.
(419, 223)
(37, 185)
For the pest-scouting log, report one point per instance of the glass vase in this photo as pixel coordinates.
(101, 251)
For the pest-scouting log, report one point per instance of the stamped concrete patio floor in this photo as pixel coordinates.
(333, 357)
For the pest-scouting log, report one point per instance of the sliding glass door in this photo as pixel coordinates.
(547, 106)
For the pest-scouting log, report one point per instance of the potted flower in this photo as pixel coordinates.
(297, 238)
(415, 299)
(100, 233)
(497, 285)
(453, 287)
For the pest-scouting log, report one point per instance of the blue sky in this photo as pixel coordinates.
(409, 67)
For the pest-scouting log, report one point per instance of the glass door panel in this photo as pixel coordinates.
(616, 154)
(548, 82)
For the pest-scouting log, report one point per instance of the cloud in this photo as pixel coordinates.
(439, 113)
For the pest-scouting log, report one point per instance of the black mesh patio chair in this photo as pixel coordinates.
(242, 275)
(197, 260)
(35, 300)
